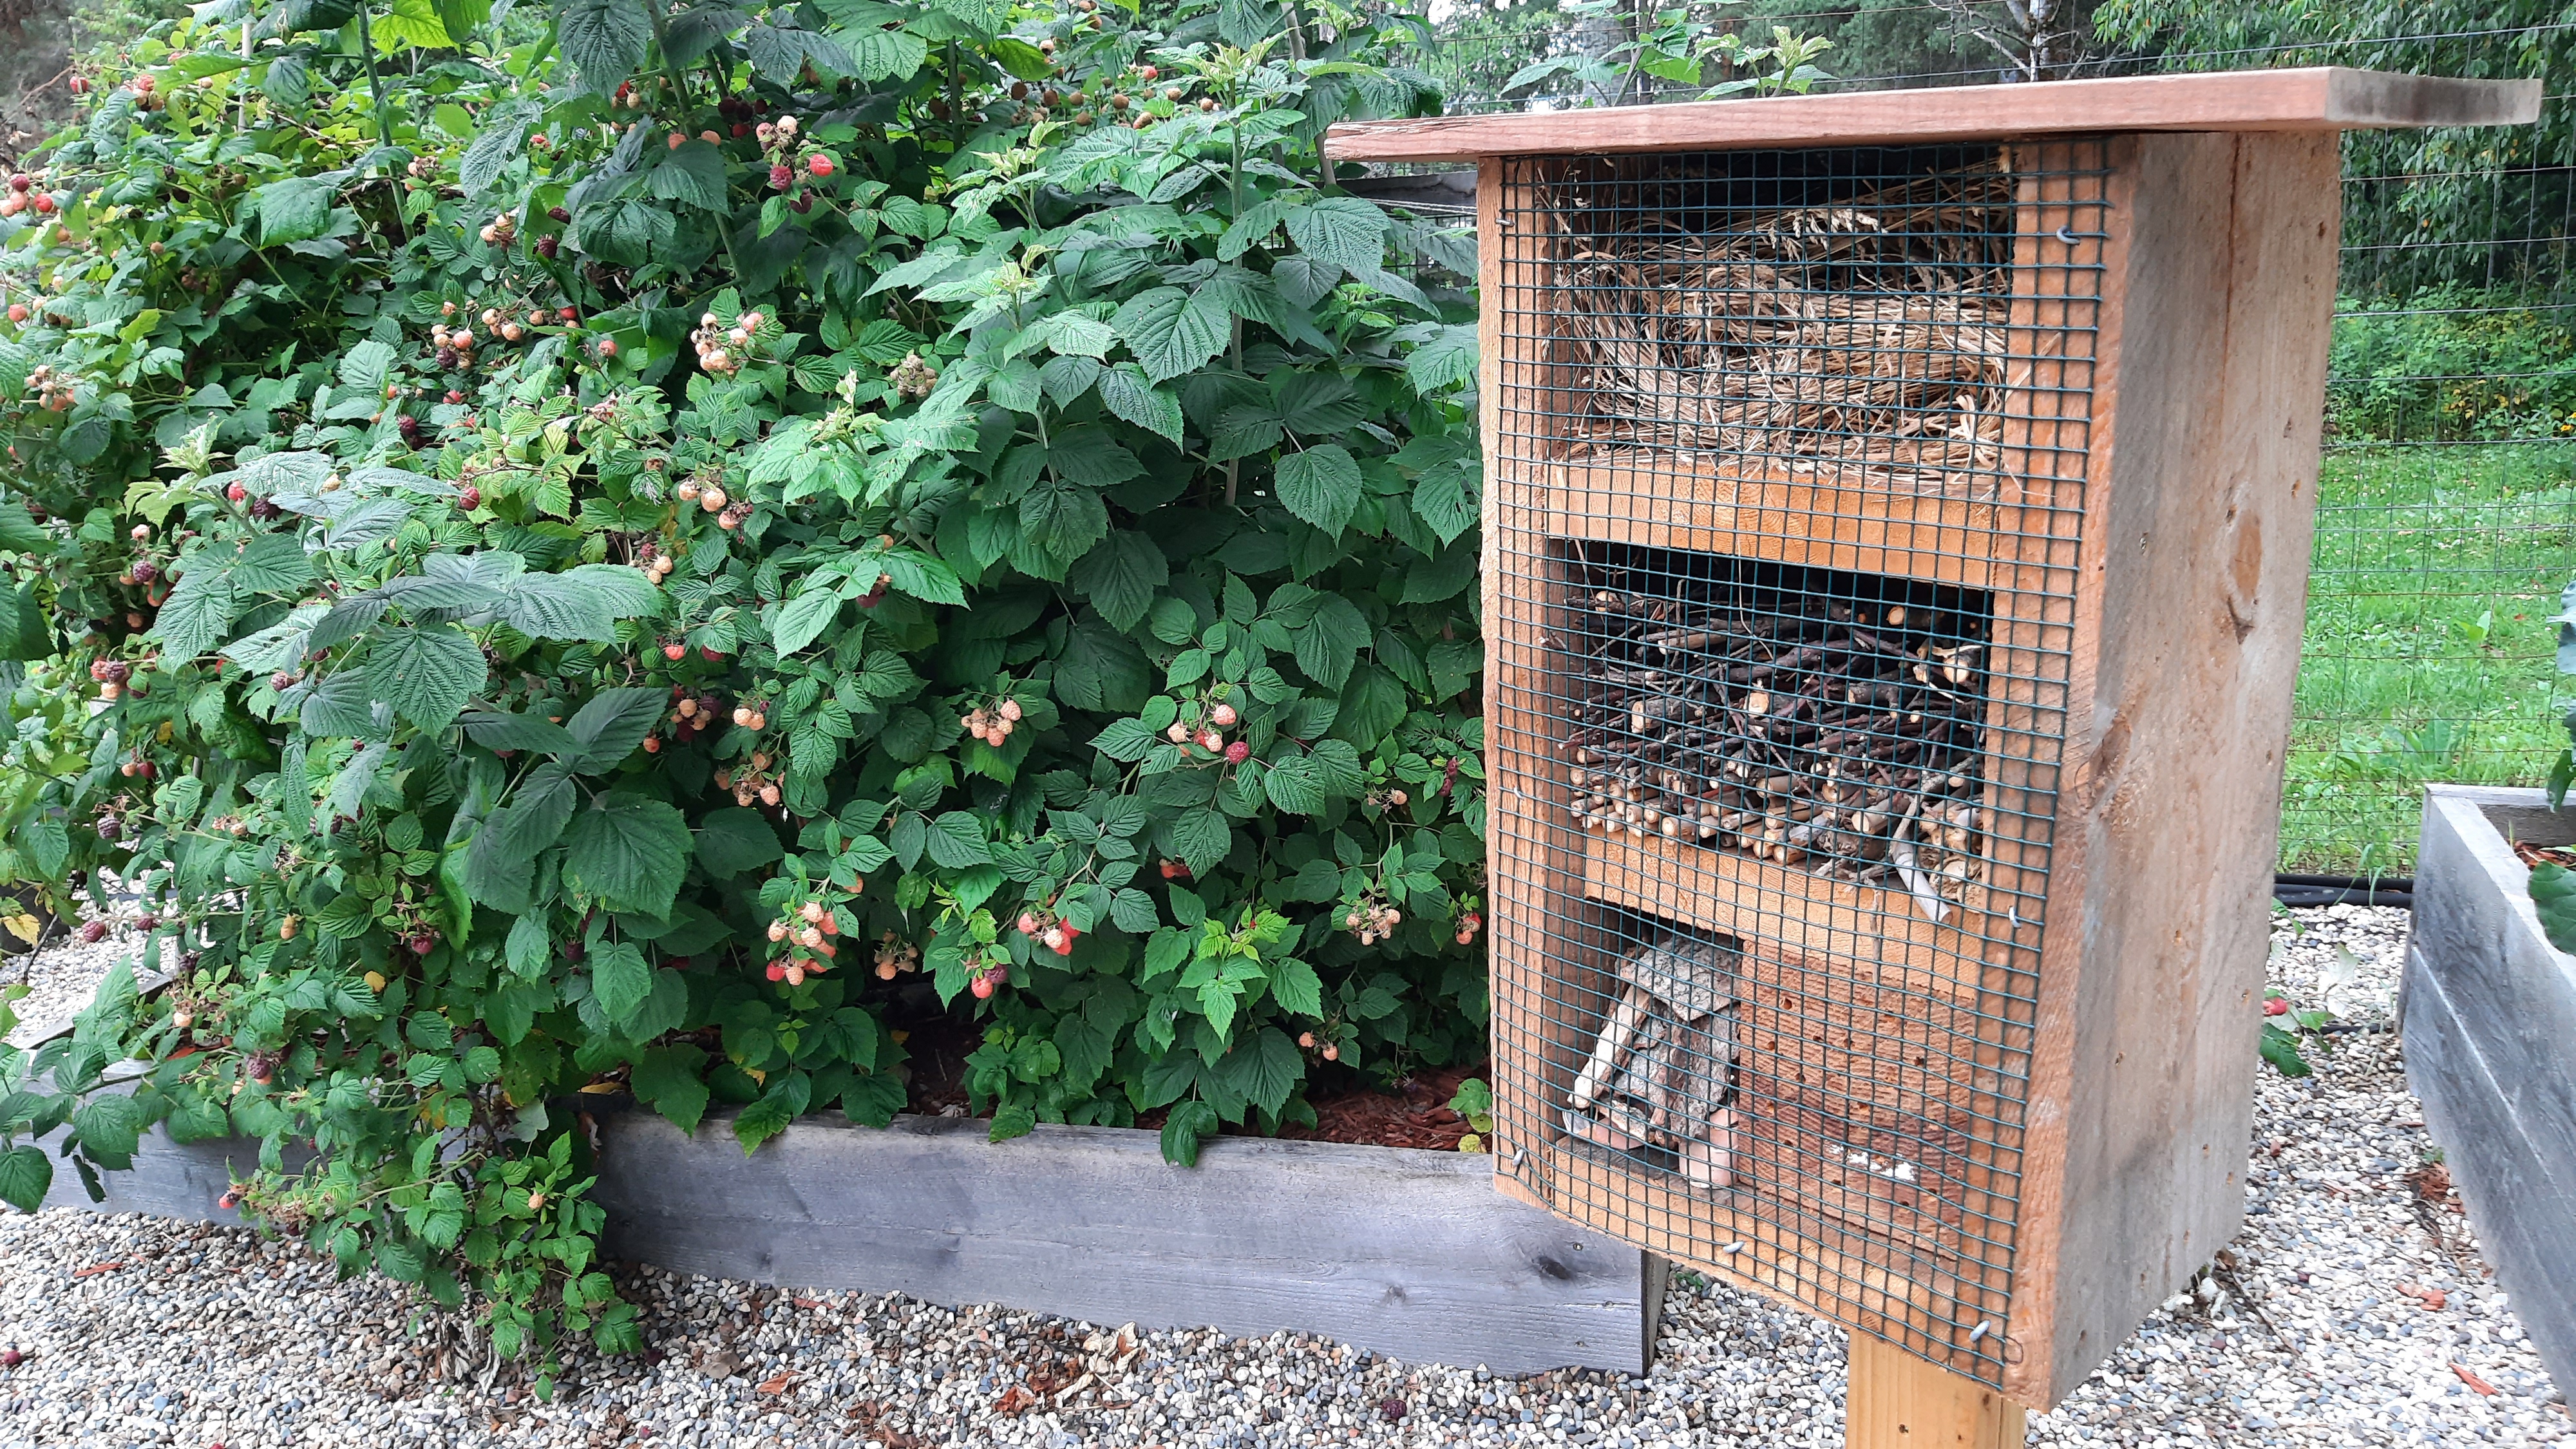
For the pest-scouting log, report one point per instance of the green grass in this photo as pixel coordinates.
(2429, 652)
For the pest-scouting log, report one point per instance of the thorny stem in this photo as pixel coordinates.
(670, 68)
(384, 118)
(375, 81)
(956, 99)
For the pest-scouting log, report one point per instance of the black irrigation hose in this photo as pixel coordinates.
(2344, 890)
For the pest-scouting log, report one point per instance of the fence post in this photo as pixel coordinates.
(1898, 1401)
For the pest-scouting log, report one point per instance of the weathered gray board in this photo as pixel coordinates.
(169, 1180)
(2489, 1014)
(1412, 1254)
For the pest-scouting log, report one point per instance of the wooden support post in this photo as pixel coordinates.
(1898, 1401)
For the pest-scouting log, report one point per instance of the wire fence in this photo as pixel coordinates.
(2447, 519)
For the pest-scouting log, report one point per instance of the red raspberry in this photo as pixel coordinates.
(1238, 752)
(819, 164)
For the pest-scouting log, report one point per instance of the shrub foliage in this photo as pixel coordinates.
(641, 545)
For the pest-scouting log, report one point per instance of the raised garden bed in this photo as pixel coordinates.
(1408, 1253)
(2489, 1013)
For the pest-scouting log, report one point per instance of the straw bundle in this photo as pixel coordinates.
(1863, 341)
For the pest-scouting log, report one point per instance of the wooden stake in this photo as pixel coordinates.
(1898, 1401)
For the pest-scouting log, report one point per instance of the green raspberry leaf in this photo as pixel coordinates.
(426, 674)
(1321, 485)
(628, 851)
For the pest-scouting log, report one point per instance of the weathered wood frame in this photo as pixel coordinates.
(2488, 1009)
(1404, 1252)
(2178, 608)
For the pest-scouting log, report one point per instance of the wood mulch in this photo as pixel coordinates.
(1415, 1114)
(2534, 855)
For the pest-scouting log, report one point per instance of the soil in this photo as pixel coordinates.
(937, 1045)
(1415, 1114)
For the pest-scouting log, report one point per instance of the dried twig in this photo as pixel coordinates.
(1843, 737)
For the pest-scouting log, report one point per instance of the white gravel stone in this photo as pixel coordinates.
(62, 976)
(191, 1336)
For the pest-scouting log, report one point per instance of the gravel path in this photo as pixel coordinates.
(61, 976)
(2354, 1312)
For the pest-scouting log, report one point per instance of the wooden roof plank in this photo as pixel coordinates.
(2322, 98)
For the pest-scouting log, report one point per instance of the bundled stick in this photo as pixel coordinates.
(1863, 341)
(1660, 1069)
(1844, 738)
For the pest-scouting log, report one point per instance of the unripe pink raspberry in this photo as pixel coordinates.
(1224, 716)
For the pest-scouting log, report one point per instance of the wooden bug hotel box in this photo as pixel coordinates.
(1897, 519)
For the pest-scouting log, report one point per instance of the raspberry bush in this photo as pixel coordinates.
(635, 546)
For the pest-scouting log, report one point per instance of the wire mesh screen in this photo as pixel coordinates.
(2447, 497)
(1789, 453)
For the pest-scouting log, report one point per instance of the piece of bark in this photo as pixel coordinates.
(1695, 977)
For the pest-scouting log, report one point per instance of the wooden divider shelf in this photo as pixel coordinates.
(1730, 892)
(1692, 501)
